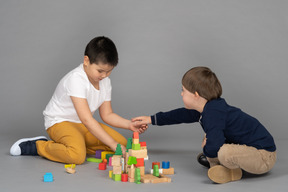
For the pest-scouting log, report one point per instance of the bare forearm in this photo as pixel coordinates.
(95, 128)
(116, 121)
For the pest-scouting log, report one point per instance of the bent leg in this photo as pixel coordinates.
(93, 144)
(247, 158)
(67, 144)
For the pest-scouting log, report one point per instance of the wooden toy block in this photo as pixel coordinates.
(124, 177)
(48, 177)
(117, 170)
(136, 146)
(118, 150)
(129, 144)
(94, 160)
(131, 171)
(104, 161)
(102, 166)
(169, 171)
(142, 170)
(137, 176)
(70, 165)
(108, 157)
(131, 180)
(155, 163)
(143, 145)
(116, 177)
(165, 164)
(110, 173)
(135, 135)
(148, 178)
(70, 170)
(104, 153)
(132, 160)
(135, 141)
(140, 162)
(98, 154)
(116, 160)
(156, 170)
(110, 161)
(142, 153)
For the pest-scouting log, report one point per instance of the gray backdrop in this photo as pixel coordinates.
(244, 42)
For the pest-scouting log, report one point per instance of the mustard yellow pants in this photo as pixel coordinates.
(72, 141)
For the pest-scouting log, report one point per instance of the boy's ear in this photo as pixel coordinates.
(86, 61)
(197, 94)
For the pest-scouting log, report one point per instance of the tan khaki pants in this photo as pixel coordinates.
(247, 158)
(71, 141)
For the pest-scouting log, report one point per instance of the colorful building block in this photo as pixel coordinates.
(104, 153)
(137, 176)
(140, 162)
(116, 177)
(118, 150)
(155, 163)
(165, 164)
(48, 177)
(98, 154)
(156, 171)
(136, 146)
(102, 166)
(135, 135)
(94, 160)
(124, 177)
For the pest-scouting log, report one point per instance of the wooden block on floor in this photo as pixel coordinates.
(149, 178)
(169, 171)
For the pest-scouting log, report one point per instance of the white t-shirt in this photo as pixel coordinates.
(76, 83)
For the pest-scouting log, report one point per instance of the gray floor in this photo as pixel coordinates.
(25, 173)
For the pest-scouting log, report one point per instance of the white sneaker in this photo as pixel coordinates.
(26, 146)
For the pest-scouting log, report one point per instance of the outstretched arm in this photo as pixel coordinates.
(111, 118)
(84, 114)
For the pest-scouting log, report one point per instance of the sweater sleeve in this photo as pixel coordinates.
(176, 116)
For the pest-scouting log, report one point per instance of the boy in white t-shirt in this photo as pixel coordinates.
(69, 114)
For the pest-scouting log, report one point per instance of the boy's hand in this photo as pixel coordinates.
(142, 120)
(137, 127)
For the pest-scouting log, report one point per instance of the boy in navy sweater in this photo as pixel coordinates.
(234, 141)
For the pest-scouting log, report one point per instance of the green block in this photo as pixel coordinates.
(136, 146)
(156, 171)
(137, 176)
(118, 150)
(108, 156)
(94, 160)
(129, 144)
(116, 177)
(132, 160)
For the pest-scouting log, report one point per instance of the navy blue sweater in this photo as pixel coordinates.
(222, 124)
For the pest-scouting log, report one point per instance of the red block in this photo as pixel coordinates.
(135, 135)
(102, 166)
(140, 162)
(155, 163)
(143, 144)
(124, 177)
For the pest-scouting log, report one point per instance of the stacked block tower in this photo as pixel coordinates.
(131, 167)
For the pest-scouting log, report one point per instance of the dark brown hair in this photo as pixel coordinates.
(203, 81)
(102, 49)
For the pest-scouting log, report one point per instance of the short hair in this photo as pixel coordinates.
(102, 49)
(204, 81)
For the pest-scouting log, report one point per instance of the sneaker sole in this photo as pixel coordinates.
(221, 174)
(15, 149)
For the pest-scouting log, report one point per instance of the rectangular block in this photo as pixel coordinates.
(142, 153)
(142, 171)
(116, 160)
(169, 171)
(135, 141)
(117, 170)
(136, 146)
(98, 154)
(140, 162)
(104, 153)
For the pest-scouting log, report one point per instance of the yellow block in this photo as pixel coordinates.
(110, 173)
(104, 153)
(70, 165)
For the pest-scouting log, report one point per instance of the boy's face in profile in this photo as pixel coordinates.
(189, 98)
(96, 72)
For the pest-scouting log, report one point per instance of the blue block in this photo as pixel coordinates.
(165, 164)
(48, 177)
